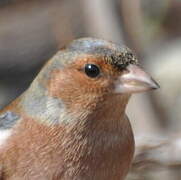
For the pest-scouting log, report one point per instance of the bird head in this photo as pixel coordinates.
(91, 72)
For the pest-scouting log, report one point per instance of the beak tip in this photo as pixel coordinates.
(154, 85)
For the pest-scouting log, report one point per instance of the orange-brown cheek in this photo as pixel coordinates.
(75, 89)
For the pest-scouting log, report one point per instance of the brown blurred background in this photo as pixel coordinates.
(31, 31)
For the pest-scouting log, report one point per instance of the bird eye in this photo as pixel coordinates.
(92, 70)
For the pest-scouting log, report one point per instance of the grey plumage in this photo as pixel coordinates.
(8, 120)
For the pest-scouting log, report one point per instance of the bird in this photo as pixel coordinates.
(70, 124)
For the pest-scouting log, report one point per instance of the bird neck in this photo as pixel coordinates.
(38, 105)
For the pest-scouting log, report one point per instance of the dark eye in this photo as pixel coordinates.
(92, 70)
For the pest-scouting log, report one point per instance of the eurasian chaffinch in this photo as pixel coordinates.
(70, 124)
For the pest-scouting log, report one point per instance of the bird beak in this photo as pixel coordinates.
(135, 80)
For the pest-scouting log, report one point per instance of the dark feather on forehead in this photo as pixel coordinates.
(116, 55)
(121, 60)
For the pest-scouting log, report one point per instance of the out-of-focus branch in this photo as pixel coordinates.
(155, 158)
(133, 24)
(101, 20)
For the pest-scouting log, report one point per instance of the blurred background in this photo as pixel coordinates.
(31, 31)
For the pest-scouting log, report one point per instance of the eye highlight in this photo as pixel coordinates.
(92, 70)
